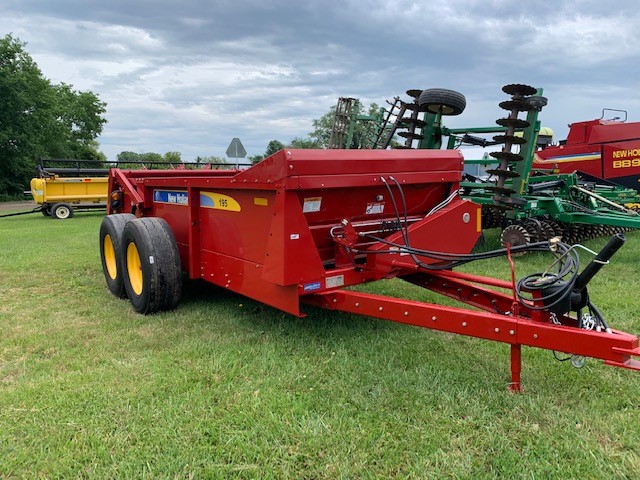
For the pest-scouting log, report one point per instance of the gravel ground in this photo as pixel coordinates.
(26, 205)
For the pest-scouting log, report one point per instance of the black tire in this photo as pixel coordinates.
(151, 265)
(441, 100)
(61, 211)
(46, 210)
(111, 251)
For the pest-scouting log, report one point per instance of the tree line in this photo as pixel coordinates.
(41, 119)
(319, 137)
(155, 160)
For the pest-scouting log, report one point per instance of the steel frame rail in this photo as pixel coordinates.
(504, 320)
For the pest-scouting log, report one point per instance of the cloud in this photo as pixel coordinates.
(191, 75)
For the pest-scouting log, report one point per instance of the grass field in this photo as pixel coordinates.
(226, 388)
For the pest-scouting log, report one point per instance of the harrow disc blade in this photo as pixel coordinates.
(512, 139)
(514, 235)
(517, 105)
(414, 121)
(503, 173)
(557, 228)
(548, 231)
(512, 122)
(508, 156)
(519, 89)
(411, 135)
(413, 106)
(534, 231)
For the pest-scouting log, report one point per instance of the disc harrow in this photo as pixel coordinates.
(412, 122)
(503, 195)
(531, 205)
(531, 230)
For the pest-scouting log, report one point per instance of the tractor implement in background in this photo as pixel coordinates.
(302, 226)
(529, 204)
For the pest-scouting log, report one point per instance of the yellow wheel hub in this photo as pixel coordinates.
(110, 257)
(134, 268)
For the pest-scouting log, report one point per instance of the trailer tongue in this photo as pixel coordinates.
(303, 225)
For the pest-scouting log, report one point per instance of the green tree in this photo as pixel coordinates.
(273, 146)
(126, 156)
(152, 159)
(127, 159)
(39, 119)
(80, 118)
(365, 128)
(216, 162)
(173, 157)
(305, 143)
(212, 159)
(364, 132)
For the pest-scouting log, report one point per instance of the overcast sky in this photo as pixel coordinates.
(190, 75)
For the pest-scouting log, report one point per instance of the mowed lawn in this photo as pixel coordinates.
(224, 387)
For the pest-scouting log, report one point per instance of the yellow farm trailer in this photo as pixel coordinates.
(59, 196)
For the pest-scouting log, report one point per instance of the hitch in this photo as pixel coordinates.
(562, 297)
(602, 258)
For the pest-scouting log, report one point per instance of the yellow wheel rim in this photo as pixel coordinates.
(110, 257)
(134, 268)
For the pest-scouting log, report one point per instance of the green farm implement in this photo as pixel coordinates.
(529, 204)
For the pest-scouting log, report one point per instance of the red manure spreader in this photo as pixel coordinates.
(303, 226)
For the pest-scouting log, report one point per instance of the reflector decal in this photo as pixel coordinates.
(337, 281)
(262, 202)
(311, 204)
(174, 197)
(374, 208)
(219, 201)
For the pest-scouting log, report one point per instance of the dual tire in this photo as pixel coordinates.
(140, 260)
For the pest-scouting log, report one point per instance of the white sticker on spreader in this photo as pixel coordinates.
(311, 204)
(151, 260)
(336, 281)
(374, 208)
(294, 236)
(400, 250)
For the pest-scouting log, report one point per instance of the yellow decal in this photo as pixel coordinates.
(631, 152)
(262, 202)
(479, 220)
(633, 162)
(219, 202)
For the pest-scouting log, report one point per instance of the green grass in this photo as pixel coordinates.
(226, 388)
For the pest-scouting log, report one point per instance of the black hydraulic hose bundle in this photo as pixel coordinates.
(560, 291)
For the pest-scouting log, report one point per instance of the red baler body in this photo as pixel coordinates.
(606, 149)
